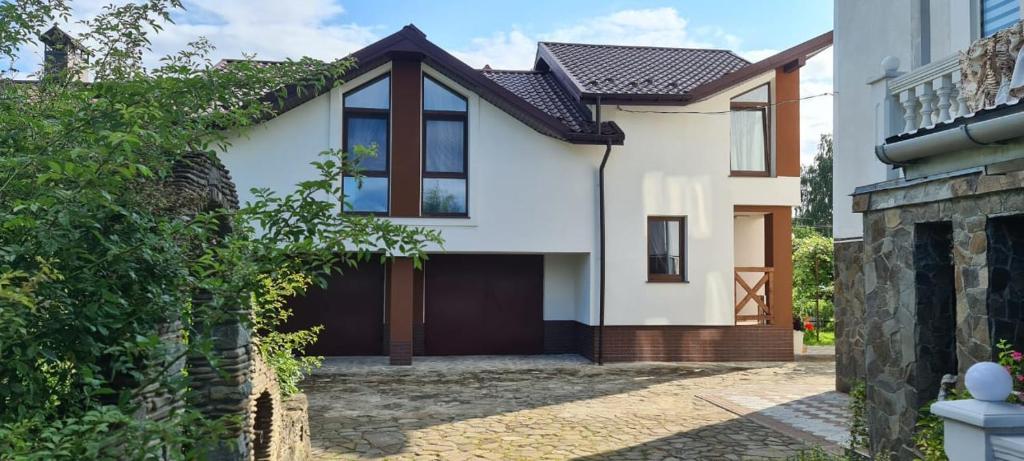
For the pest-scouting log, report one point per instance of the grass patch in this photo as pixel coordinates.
(826, 338)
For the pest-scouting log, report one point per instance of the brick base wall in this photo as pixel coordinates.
(682, 343)
(560, 336)
(697, 343)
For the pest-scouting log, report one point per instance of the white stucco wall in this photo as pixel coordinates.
(749, 243)
(566, 286)
(529, 193)
(865, 32)
(678, 164)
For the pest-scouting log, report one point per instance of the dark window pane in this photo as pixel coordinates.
(437, 97)
(377, 95)
(371, 196)
(444, 196)
(368, 132)
(663, 247)
(445, 143)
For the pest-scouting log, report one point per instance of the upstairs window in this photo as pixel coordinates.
(666, 248)
(365, 134)
(749, 133)
(997, 15)
(444, 151)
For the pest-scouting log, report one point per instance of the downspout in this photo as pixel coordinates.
(600, 207)
(600, 211)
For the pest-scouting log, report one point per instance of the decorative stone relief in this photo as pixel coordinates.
(986, 69)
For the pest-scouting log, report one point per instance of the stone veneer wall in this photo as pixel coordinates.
(891, 352)
(848, 300)
(199, 183)
(287, 437)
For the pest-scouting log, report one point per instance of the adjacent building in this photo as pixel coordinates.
(620, 202)
(929, 198)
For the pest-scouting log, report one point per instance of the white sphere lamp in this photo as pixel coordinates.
(890, 64)
(989, 382)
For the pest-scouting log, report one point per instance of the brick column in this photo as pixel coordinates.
(400, 311)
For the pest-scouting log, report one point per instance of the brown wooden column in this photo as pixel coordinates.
(782, 260)
(787, 122)
(406, 89)
(400, 311)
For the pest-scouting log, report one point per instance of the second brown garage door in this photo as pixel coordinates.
(484, 304)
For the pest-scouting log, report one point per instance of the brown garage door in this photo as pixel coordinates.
(351, 310)
(484, 304)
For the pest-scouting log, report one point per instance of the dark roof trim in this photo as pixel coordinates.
(789, 60)
(411, 43)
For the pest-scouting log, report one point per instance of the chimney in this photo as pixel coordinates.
(63, 53)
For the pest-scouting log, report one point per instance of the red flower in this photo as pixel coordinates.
(809, 326)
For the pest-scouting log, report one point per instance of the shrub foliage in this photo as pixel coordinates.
(96, 254)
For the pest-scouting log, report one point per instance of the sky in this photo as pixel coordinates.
(501, 34)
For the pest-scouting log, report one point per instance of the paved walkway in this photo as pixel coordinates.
(548, 407)
(804, 412)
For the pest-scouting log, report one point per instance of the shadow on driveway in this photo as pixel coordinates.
(556, 407)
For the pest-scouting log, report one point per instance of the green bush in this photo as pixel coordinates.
(98, 252)
(813, 277)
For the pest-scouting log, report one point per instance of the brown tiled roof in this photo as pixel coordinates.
(638, 70)
(542, 91)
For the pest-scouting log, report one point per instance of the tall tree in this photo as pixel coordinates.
(816, 190)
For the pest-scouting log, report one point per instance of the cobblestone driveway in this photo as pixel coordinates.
(543, 408)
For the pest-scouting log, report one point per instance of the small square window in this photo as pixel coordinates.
(666, 249)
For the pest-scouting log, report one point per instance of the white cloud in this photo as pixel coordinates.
(651, 27)
(816, 113)
(271, 29)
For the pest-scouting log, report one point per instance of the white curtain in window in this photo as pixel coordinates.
(748, 140)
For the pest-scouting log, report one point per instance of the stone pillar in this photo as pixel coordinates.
(848, 300)
(400, 310)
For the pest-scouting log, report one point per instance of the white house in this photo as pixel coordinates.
(614, 201)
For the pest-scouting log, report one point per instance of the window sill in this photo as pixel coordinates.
(749, 174)
(667, 281)
(435, 221)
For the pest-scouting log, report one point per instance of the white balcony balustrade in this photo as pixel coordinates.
(929, 95)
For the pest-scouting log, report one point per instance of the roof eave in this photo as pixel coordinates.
(790, 58)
